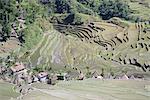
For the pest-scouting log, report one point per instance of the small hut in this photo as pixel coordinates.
(124, 77)
(35, 79)
(132, 77)
(62, 76)
(81, 76)
(95, 74)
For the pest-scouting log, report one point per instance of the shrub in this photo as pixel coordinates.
(32, 36)
(88, 75)
(73, 18)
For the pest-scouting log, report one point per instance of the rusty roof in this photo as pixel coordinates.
(17, 67)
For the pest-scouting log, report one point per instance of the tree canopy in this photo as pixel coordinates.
(8, 12)
(32, 9)
(114, 8)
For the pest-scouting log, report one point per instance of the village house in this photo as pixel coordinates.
(34, 79)
(62, 76)
(95, 74)
(122, 77)
(132, 77)
(19, 73)
(81, 76)
(43, 76)
(125, 77)
(18, 68)
(74, 75)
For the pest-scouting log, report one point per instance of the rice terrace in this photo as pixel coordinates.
(74, 49)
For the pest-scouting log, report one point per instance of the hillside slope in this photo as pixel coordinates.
(76, 38)
(122, 47)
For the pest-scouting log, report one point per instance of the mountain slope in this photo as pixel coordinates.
(114, 47)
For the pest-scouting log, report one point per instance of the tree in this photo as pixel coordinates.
(29, 10)
(88, 73)
(102, 74)
(62, 6)
(32, 10)
(93, 4)
(8, 13)
(114, 8)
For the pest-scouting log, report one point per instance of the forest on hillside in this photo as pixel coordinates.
(19, 18)
(30, 10)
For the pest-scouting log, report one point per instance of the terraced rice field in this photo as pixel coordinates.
(92, 90)
(97, 45)
(138, 8)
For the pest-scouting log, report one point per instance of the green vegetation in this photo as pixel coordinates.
(11, 10)
(8, 12)
(114, 8)
(7, 91)
(31, 10)
(33, 32)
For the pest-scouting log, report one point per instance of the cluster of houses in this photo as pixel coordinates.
(19, 75)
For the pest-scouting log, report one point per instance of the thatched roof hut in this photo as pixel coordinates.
(122, 76)
(95, 74)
